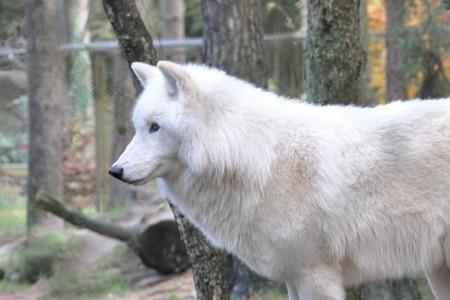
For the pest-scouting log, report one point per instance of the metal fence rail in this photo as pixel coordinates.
(162, 43)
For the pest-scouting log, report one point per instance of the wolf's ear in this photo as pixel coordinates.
(144, 72)
(176, 78)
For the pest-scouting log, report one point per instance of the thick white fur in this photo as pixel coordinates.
(319, 197)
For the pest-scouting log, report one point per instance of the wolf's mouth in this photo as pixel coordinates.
(144, 180)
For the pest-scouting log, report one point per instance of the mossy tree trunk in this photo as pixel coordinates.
(336, 61)
(334, 54)
(46, 74)
(134, 38)
(233, 41)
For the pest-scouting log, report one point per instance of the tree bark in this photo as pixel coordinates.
(208, 264)
(335, 57)
(134, 38)
(233, 41)
(233, 38)
(395, 90)
(395, 19)
(335, 64)
(103, 121)
(46, 102)
(172, 13)
(51, 204)
(123, 94)
(122, 15)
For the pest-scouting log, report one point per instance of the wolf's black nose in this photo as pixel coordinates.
(116, 172)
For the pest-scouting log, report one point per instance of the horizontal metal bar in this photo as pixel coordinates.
(163, 43)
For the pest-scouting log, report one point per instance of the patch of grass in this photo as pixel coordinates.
(7, 287)
(39, 257)
(425, 290)
(89, 211)
(102, 278)
(12, 217)
(271, 292)
(69, 284)
(173, 296)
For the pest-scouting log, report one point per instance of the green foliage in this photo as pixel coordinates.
(271, 292)
(12, 215)
(38, 258)
(121, 129)
(425, 44)
(13, 136)
(80, 83)
(10, 287)
(173, 296)
(10, 10)
(282, 15)
(194, 19)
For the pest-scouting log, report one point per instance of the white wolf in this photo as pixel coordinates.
(319, 197)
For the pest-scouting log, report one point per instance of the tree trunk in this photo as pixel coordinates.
(335, 57)
(134, 38)
(46, 102)
(233, 41)
(103, 121)
(136, 43)
(123, 94)
(208, 264)
(172, 13)
(395, 81)
(233, 38)
(395, 90)
(334, 75)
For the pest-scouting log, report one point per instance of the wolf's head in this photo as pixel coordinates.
(153, 151)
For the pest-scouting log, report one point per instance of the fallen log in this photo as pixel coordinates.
(158, 245)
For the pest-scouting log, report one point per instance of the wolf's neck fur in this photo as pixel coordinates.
(227, 170)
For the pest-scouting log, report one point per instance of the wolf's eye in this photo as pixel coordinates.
(153, 127)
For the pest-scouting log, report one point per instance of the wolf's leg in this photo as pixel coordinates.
(439, 281)
(292, 292)
(321, 283)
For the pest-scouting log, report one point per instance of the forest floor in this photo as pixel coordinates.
(96, 267)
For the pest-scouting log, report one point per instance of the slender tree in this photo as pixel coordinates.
(335, 59)
(136, 43)
(46, 101)
(233, 41)
(233, 37)
(123, 94)
(103, 132)
(134, 38)
(172, 13)
(395, 90)
(395, 19)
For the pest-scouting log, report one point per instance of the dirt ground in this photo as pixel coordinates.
(142, 282)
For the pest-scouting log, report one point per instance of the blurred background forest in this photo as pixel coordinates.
(97, 89)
